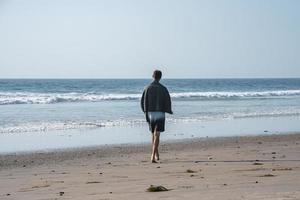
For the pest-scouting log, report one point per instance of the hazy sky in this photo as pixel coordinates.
(129, 38)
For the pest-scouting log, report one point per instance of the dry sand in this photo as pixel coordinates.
(260, 167)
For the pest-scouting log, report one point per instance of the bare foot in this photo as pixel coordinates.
(157, 157)
(153, 161)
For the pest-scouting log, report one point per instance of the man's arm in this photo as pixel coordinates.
(144, 104)
(142, 101)
(169, 102)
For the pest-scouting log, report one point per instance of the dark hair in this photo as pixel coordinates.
(157, 74)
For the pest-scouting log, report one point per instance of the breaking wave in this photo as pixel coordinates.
(7, 98)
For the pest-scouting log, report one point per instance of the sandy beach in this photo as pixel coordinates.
(256, 167)
(149, 100)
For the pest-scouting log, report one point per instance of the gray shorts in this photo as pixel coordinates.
(156, 119)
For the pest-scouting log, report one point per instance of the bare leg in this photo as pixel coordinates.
(153, 147)
(156, 143)
(152, 138)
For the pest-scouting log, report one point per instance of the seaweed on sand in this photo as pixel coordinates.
(190, 171)
(158, 188)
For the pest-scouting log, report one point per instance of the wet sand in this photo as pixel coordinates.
(258, 167)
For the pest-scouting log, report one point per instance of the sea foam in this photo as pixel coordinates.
(50, 98)
(83, 125)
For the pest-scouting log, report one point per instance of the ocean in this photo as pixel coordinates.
(67, 106)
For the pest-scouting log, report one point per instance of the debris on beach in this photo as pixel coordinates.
(40, 186)
(190, 171)
(267, 175)
(158, 188)
(92, 182)
(283, 169)
(257, 163)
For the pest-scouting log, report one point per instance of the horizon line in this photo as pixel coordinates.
(84, 78)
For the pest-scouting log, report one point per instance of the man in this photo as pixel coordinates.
(155, 102)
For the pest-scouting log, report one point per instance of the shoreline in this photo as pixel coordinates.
(50, 141)
(44, 157)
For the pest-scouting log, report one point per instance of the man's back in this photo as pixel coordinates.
(156, 98)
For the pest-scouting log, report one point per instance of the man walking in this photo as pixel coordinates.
(155, 102)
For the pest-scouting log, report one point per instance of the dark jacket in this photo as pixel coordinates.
(156, 97)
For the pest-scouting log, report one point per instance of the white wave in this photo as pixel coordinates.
(78, 125)
(68, 125)
(237, 115)
(273, 113)
(49, 98)
(278, 93)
